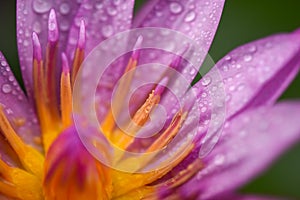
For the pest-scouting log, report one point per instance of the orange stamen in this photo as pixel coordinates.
(79, 53)
(109, 122)
(169, 133)
(31, 159)
(66, 93)
(50, 66)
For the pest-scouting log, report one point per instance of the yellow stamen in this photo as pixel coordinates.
(19, 183)
(66, 94)
(123, 181)
(78, 59)
(30, 158)
(169, 133)
(50, 127)
(123, 140)
(109, 122)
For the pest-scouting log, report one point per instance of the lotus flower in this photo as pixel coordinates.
(43, 157)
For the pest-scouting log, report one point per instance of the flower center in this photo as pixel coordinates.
(69, 171)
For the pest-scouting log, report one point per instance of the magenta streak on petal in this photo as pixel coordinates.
(53, 33)
(161, 86)
(65, 63)
(136, 52)
(82, 36)
(37, 50)
(197, 19)
(16, 106)
(102, 20)
(32, 16)
(250, 142)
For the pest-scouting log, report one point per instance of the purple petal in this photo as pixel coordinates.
(257, 73)
(102, 19)
(250, 142)
(197, 19)
(16, 106)
(232, 196)
(32, 15)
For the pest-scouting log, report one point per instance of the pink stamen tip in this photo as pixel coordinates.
(53, 33)
(179, 57)
(136, 49)
(65, 63)
(37, 49)
(161, 86)
(82, 35)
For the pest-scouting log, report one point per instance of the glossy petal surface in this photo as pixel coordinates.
(16, 106)
(257, 73)
(250, 142)
(32, 15)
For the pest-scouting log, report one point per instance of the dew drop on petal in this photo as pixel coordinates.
(116, 2)
(252, 49)
(206, 81)
(37, 27)
(41, 6)
(3, 63)
(11, 78)
(190, 16)
(175, 7)
(111, 11)
(64, 25)
(6, 88)
(247, 58)
(64, 8)
(219, 159)
(107, 31)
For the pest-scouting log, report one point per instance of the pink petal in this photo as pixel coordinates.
(196, 19)
(257, 73)
(17, 108)
(102, 19)
(249, 143)
(232, 196)
(32, 15)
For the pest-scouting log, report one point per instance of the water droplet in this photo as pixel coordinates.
(11, 78)
(37, 27)
(107, 31)
(25, 43)
(225, 68)
(204, 109)
(64, 25)
(175, 7)
(41, 6)
(99, 5)
(3, 63)
(247, 58)
(6, 88)
(219, 159)
(193, 71)
(232, 88)
(190, 16)
(116, 2)
(227, 57)
(252, 49)
(111, 11)
(64, 8)
(206, 81)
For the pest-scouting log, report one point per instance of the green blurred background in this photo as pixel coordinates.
(242, 22)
